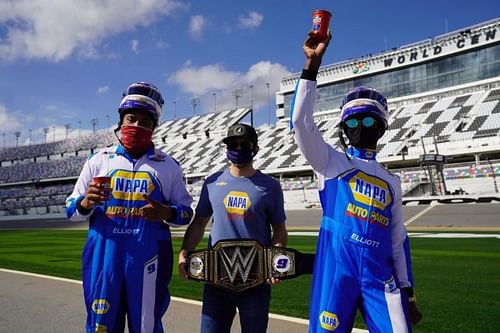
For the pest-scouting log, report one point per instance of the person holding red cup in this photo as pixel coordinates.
(363, 258)
(131, 194)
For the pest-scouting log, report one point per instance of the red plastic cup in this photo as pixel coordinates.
(321, 21)
(105, 182)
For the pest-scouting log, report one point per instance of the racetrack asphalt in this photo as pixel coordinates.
(34, 303)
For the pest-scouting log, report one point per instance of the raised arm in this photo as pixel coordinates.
(307, 135)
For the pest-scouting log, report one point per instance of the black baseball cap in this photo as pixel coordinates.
(242, 131)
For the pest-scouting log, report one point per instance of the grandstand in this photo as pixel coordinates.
(444, 99)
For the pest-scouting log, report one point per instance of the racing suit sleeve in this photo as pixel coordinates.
(180, 200)
(79, 191)
(400, 241)
(307, 135)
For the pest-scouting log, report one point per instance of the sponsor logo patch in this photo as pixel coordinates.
(328, 321)
(362, 214)
(237, 202)
(370, 190)
(123, 211)
(128, 185)
(100, 306)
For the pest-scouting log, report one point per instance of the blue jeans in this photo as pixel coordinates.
(219, 309)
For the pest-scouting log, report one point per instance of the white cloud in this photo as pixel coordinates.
(196, 27)
(199, 81)
(9, 121)
(134, 43)
(55, 30)
(205, 80)
(251, 21)
(102, 90)
(161, 44)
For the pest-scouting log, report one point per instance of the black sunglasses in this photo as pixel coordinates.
(235, 145)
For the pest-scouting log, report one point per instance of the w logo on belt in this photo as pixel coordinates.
(238, 263)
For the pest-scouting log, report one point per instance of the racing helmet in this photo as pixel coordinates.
(364, 100)
(144, 96)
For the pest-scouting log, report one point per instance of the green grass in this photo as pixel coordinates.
(458, 280)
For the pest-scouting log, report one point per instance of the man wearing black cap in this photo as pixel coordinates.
(245, 204)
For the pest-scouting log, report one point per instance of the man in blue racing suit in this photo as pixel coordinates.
(363, 254)
(127, 260)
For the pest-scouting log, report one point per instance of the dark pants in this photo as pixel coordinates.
(219, 308)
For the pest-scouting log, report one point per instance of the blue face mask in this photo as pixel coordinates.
(241, 156)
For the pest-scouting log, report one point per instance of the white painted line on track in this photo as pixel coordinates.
(55, 278)
(416, 216)
(451, 235)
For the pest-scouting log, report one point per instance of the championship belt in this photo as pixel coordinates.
(237, 265)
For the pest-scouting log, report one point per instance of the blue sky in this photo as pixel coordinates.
(62, 62)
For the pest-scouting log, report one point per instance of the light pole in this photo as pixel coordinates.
(93, 121)
(45, 131)
(215, 101)
(251, 105)
(237, 94)
(268, 105)
(79, 128)
(67, 126)
(194, 102)
(493, 175)
(17, 134)
(174, 102)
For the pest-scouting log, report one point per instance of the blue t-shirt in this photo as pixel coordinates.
(243, 207)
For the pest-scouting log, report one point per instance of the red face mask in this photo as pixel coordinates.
(136, 139)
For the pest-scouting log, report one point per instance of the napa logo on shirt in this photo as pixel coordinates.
(370, 190)
(328, 321)
(129, 185)
(237, 202)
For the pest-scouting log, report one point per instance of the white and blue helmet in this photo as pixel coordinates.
(364, 100)
(144, 96)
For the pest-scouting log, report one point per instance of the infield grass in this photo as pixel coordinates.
(458, 280)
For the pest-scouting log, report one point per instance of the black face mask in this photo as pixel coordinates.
(364, 137)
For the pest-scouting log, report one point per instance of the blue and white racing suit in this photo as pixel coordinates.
(127, 260)
(363, 257)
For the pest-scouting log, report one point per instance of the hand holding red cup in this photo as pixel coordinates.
(104, 183)
(320, 23)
